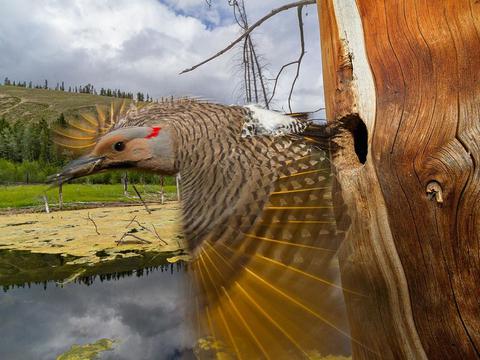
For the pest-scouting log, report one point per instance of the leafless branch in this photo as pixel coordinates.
(317, 110)
(134, 236)
(131, 221)
(139, 238)
(300, 58)
(278, 76)
(142, 227)
(297, 62)
(94, 223)
(250, 29)
(158, 236)
(141, 199)
(121, 239)
(239, 13)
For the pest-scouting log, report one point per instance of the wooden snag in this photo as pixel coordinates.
(407, 71)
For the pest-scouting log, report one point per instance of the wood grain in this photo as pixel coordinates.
(424, 57)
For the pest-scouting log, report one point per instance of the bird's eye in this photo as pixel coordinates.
(119, 146)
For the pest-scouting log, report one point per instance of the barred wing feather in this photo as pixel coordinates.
(265, 279)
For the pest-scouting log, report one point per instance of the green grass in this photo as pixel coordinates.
(35, 104)
(31, 195)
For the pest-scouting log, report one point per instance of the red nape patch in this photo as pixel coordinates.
(154, 133)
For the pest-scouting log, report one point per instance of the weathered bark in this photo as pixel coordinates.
(407, 72)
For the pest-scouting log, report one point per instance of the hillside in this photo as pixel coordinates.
(35, 104)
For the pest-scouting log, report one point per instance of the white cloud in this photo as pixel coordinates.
(143, 44)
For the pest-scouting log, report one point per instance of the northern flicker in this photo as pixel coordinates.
(257, 217)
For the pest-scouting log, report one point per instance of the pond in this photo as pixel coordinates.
(137, 307)
(132, 308)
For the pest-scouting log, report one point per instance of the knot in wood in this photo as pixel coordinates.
(434, 191)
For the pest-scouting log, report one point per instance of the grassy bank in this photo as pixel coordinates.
(36, 104)
(31, 195)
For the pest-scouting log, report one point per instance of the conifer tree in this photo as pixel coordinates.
(45, 143)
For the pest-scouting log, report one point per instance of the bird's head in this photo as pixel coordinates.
(140, 147)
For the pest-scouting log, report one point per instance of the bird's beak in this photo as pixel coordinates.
(77, 168)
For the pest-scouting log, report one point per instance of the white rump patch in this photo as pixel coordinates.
(267, 122)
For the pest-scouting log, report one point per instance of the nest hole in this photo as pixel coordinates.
(360, 139)
(351, 141)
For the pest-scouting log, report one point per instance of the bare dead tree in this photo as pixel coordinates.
(252, 68)
(260, 75)
(253, 71)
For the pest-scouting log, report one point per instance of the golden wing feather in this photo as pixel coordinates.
(275, 292)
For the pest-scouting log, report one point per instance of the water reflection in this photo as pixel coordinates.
(144, 312)
(50, 304)
(23, 268)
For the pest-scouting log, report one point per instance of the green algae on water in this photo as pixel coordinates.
(87, 351)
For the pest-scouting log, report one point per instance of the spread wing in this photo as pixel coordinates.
(260, 223)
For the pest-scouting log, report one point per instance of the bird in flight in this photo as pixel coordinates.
(257, 218)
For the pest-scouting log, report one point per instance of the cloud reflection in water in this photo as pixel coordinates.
(145, 314)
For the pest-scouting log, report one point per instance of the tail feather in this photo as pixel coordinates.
(80, 133)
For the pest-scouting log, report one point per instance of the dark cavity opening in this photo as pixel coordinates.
(354, 133)
(360, 139)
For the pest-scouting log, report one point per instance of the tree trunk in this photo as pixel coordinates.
(402, 85)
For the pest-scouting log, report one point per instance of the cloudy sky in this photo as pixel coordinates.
(142, 45)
